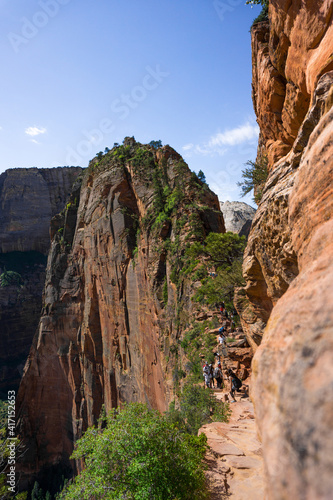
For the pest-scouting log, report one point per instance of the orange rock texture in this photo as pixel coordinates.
(288, 260)
(114, 299)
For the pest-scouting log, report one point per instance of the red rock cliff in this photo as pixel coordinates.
(114, 297)
(29, 198)
(288, 260)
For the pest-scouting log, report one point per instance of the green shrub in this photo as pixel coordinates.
(198, 406)
(8, 278)
(254, 177)
(165, 292)
(139, 455)
(263, 16)
(221, 288)
(155, 144)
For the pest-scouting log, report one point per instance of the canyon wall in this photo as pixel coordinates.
(287, 308)
(115, 298)
(29, 198)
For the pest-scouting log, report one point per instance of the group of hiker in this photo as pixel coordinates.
(211, 374)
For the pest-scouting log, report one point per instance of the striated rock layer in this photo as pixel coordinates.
(114, 299)
(288, 259)
(29, 198)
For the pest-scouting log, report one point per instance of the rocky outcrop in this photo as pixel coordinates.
(235, 456)
(237, 216)
(287, 262)
(29, 198)
(115, 299)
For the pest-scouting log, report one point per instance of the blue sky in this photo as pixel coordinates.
(79, 75)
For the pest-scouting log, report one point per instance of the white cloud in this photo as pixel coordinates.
(187, 147)
(219, 143)
(34, 141)
(234, 136)
(32, 131)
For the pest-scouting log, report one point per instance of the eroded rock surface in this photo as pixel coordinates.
(114, 298)
(288, 258)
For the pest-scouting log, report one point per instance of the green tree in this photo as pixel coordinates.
(264, 3)
(155, 144)
(201, 176)
(221, 248)
(263, 16)
(10, 278)
(254, 177)
(197, 406)
(222, 288)
(139, 455)
(224, 253)
(37, 492)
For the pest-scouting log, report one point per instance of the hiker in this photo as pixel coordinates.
(222, 308)
(211, 375)
(206, 374)
(221, 339)
(235, 384)
(218, 376)
(226, 314)
(217, 357)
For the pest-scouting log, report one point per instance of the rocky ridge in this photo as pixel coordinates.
(287, 262)
(116, 297)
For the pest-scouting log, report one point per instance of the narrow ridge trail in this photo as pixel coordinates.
(235, 463)
(235, 459)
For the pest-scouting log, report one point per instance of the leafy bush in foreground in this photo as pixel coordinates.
(139, 455)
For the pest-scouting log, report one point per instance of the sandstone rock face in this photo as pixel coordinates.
(237, 216)
(29, 198)
(288, 260)
(20, 307)
(114, 298)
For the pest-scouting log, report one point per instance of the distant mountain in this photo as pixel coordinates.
(237, 216)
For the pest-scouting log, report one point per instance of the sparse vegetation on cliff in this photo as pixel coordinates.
(222, 254)
(254, 177)
(263, 16)
(197, 406)
(8, 278)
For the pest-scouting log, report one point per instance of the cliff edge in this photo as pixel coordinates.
(115, 300)
(287, 308)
